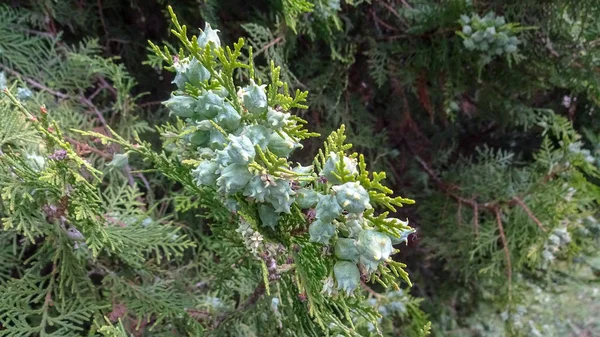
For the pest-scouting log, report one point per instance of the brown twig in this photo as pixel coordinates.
(529, 213)
(476, 219)
(33, 83)
(147, 104)
(102, 22)
(251, 301)
(390, 9)
(86, 147)
(268, 45)
(406, 4)
(106, 85)
(498, 214)
(383, 23)
(370, 290)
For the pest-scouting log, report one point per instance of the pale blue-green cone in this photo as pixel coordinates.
(209, 35)
(222, 158)
(403, 237)
(258, 134)
(347, 276)
(254, 98)
(119, 161)
(181, 106)
(24, 94)
(352, 197)
(328, 208)
(240, 150)
(281, 196)
(276, 119)
(204, 125)
(400, 228)
(331, 167)
(196, 73)
(217, 140)
(321, 232)
(345, 249)
(257, 188)
(374, 245)
(268, 216)
(305, 171)
(206, 173)
(369, 266)
(209, 105)
(221, 91)
(180, 80)
(282, 147)
(198, 138)
(307, 198)
(231, 204)
(2, 80)
(233, 179)
(228, 118)
(191, 71)
(353, 226)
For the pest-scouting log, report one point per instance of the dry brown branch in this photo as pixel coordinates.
(498, 214)
(529, 213)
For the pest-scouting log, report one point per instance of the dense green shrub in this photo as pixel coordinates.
(483, 112)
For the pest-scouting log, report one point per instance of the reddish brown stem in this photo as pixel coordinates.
(504, 244)
(476, 219)
(530, 213)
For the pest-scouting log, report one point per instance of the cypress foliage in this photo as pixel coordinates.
(208, 206)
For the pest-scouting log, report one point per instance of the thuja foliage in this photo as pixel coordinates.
(491, 106)
(276, 247)
(482, 111)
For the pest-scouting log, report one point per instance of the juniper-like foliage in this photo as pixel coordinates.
(231, 217)
(276, 247)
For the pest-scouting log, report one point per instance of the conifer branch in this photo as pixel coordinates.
(529, 213)
(498, 215)
(34, 83)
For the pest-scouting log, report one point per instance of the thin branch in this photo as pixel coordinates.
(251, 301)
(441, 184)
(101, 14)
(504, 244)
(406, 4)
(476, 219)
(108, 86)
(268, 45)
(95, 110)
(390, 8)
(33, 83)
(86, 147)
(147, 104)
(370, 290)
(530, 213)
(459, 213)
(383, 23)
